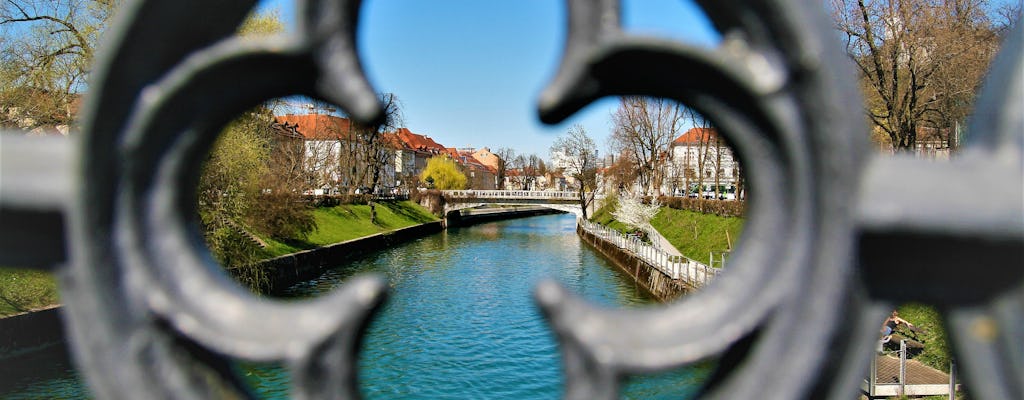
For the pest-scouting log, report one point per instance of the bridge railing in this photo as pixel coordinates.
(676, 267)
(511, 194)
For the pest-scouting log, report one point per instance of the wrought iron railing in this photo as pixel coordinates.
(832, 237)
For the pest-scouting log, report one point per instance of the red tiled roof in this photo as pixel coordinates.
(319, 126)
(696, 136)
(392, 140)
(419, 142)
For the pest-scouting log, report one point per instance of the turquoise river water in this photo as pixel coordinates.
(460, 321)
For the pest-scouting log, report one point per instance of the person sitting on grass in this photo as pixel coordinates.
(890, 325)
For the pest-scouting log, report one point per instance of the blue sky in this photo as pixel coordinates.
(468, 72)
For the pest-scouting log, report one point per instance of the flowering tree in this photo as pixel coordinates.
(632, 211)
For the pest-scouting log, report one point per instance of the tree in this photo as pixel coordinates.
(45, 57)
(643, 129)
(369, 153)
(920, 61)
(443, 174)
(532, 166)
(252, 182)
(506, 157)
(228, 189)
(622, 174)
(632, 211)
(580, 154)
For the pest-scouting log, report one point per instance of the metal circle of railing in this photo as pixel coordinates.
(148, 316)
(777, 91)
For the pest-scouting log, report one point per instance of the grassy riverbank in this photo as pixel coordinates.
(350, 221)
(694, 234)
(27, 290)
(932, 334)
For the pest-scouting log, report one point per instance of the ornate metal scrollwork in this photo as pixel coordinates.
(149, 318)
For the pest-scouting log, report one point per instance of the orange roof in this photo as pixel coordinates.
(391, 140)
(319, 126)
(419, 142)
(696, 136)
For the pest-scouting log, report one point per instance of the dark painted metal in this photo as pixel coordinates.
(834, 237)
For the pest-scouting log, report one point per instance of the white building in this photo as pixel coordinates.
(699, 159)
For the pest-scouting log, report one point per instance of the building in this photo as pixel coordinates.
(341, 158)
(322, 135)
(412, 155)
(700, 159)
(478, 175)
(486, 157)
(930, 143)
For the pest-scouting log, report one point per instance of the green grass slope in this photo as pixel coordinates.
(26, 290)
(350, 221)
(696, 234)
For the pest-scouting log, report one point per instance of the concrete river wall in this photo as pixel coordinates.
(652, 280)
(289, 269)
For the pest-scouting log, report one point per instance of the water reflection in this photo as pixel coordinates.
(460, 321)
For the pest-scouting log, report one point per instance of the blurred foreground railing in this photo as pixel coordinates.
(833, 238)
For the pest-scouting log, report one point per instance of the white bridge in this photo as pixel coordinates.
(564, 201)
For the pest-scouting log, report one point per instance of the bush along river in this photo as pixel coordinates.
(460, 321)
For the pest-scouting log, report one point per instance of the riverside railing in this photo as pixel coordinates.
(835, 236)
(893, 374)
(676, 267)
(511, 194)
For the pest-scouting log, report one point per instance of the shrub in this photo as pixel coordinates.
(721, 208)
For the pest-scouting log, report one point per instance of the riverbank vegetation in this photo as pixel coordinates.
(24, 290)
(693, 233)
(931, 332)
(331, 225)
(696, 234)
(350, 221)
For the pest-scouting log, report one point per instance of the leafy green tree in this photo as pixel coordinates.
(46, 51)
(251, 183)
(229, 186)
(444, 174)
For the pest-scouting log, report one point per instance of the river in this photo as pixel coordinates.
(460, 321)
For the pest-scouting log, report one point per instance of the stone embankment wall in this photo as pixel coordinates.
(289, 269)
(23, 332)
(653, 281)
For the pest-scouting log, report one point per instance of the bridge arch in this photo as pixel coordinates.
(456, 200)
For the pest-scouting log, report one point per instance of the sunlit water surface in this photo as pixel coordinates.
(459, 323)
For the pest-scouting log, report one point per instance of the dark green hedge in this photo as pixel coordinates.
(724, 208)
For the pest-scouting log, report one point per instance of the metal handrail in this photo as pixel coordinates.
(676, 267)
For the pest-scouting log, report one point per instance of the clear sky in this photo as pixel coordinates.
(468, 72)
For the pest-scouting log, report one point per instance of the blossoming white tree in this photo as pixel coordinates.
(632, 211)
